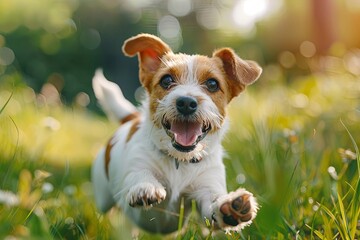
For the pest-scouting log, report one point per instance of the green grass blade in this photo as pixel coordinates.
(355, 147)
(4, 180)
(334, 218)
(312, 226)
(181, 218)
(355, 203)
(6, 103)
(319, 234)
(327, 226)
(355, 210)
(343, 222)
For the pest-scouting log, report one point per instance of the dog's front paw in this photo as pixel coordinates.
(145, 195)
(235, 210)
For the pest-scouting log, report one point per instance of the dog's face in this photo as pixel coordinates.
(188, 93)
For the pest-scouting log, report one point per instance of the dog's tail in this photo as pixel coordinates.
(111, 99)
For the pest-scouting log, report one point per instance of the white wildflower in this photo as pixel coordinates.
(8, 198)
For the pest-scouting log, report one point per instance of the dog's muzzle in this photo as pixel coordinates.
(185, 134)
(185, 130)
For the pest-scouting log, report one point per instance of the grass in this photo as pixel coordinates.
(294, 145)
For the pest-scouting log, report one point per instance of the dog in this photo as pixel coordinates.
(171, 149)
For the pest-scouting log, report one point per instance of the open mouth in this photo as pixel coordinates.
(185, 134)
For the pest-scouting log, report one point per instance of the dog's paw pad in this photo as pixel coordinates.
(236, 210)
(145, 195)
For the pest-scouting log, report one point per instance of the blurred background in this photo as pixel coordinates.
(293, 133)
(59, 44)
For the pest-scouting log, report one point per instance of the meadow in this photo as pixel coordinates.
(294, 144)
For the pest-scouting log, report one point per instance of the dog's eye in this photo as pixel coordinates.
(166, 81)
(212, 85)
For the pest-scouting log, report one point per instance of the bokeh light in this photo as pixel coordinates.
(180, 8)
(82, 99)
(90, 38)
(352, 61)
(169, 27)
(246, 13)
(209, 17)
(307, 49)
(170, 30)
(287, 59)
(7, 56)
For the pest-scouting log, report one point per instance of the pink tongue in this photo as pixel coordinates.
(186, 133)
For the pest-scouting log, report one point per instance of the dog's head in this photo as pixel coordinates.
(188, 94)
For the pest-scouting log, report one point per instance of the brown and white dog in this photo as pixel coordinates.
(171, 149)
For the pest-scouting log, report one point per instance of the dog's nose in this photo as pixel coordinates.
(186, 105)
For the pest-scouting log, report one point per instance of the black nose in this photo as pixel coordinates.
(186, 105)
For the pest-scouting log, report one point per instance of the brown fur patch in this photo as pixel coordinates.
(130, 117)
(239, 72)
(107, 156)
(134, 127)
(149, 49)
(135, 117)
(207, 68)
(176, 71)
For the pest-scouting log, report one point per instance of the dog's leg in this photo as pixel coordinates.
(143, 189)
(103, 197)
(234, 210)
(230, 211)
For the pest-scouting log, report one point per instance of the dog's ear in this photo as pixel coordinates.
(239, 72)
(150, 49)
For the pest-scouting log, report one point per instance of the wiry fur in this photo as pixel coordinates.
(142, 177)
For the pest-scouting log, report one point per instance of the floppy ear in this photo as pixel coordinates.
(240, 73)
(150, 49)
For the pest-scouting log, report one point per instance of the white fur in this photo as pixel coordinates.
(145, 165)
(110, 97)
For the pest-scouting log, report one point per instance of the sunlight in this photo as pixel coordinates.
(247, 12)
(255, 8)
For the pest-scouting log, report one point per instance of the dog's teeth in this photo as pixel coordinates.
(206, 127)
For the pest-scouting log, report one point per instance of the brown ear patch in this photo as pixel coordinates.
(143, 42)
(150, 50)
(239, 72)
